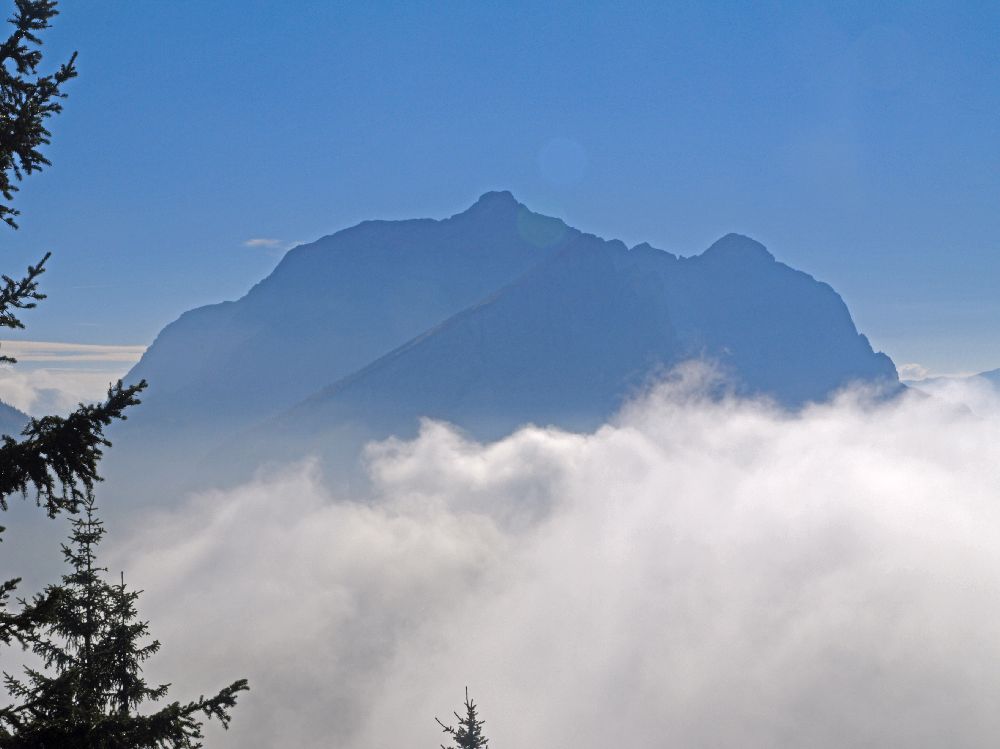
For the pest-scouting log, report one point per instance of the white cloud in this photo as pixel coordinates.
(264, 242)
(53, 391)
(44, 391)
(697, 574)
(913, 371)
(53, 377)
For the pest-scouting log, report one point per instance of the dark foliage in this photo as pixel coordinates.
(20, 294)
(57, 457)
(27, 99)
(469, 734)
(21, 627)
(90, 688)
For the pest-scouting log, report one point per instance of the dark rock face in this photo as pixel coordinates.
(489, 319)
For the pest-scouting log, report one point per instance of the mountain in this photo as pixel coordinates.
(490, 319)
(332, 306)
(993, 376)
(568, 342)
(329, 308)
(12, 421)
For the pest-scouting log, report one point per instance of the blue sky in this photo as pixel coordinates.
(859, 141)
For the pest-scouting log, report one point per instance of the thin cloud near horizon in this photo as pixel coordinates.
(265, 242)
(60, 351)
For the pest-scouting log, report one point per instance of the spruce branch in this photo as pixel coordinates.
(27, 99)
(18, 295)
(57, 457)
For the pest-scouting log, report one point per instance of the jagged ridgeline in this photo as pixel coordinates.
(489, 319)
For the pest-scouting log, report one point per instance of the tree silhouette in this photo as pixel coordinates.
(92, 647)
(27, 99)
(469, 734)
(57, 457)
(85, 631)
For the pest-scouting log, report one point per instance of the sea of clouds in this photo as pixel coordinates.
(695, 574)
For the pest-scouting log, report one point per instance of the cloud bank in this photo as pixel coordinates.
(695, 574)
(53, 390)
(53, 377)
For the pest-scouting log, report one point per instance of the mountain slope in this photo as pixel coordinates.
(332, 306)
(568, 342)
(328, 309)
(12, 421)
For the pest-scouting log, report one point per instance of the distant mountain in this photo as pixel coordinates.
(332, 306)
(491, 318)
(12, 421)
(993, 376)
(567, 342)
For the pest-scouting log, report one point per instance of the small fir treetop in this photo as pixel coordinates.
(469, 734)
(90, 686)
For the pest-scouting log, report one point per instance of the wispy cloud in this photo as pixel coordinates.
(70, 353)
(264, 242)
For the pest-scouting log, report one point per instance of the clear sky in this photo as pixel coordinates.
(860, 141)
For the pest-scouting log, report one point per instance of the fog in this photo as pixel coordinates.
(695, 574)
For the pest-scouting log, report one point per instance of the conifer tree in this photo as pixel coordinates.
(85, 631)
(27, 99)
(57, 457)
(469, 734)
(88, 692)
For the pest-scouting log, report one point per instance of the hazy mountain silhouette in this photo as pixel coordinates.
(566, 343)
(329, 308)
(492, 318)
(12, 420)
(332, 306)
(992, 377)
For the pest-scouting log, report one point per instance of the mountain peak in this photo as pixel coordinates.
(495, 200)
(737, 247)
